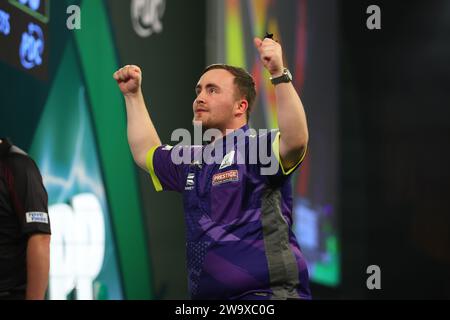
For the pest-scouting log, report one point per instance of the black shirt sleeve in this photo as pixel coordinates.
(28, 194)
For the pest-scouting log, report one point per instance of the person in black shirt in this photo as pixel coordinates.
(24, 226)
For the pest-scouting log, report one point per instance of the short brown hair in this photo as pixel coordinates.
(243, 81)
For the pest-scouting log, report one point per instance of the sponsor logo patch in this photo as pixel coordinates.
(227, 160)
(224, 177)
(39, 217)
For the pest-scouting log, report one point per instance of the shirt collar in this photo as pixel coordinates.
(231, 140)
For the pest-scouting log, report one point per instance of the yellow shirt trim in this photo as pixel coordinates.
(151, 169)
(276, 149)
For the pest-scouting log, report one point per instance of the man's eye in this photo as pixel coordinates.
(212, 90)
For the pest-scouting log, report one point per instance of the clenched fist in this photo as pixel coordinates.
(271, 55)
(129, 79)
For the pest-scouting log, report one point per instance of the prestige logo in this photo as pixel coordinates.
(223, 177)
(146, 16)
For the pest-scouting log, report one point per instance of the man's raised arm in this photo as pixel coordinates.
(290, 113)
(142, 135)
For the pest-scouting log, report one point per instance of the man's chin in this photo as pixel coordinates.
(200, 123)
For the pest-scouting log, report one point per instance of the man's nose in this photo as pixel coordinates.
(200, 99)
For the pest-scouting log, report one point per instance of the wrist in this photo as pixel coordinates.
(285, 77)
(133, 95)
(277, 73)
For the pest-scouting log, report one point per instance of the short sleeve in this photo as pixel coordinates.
(269, 162)
(166, 165)
(28, 194)
(276, 152)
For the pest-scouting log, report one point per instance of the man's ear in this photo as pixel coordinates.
(242, 106)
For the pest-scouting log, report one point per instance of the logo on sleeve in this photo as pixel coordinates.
(224, 177)
(37, 217)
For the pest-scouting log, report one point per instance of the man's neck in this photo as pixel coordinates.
(232, 128)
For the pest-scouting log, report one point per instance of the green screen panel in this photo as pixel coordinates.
(84, 262)
(98, 60)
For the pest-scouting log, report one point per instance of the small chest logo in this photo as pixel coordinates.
(224, 177)
(227, 160)
(190, 181)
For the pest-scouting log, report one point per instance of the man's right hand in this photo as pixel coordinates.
(129, 79)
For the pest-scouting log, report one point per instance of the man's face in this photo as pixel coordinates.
(216, 99)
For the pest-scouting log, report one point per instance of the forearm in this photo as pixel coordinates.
(291, 115)
(38, 266)
(141, 132)
(291, 121)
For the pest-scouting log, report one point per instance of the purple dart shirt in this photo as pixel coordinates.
(240, 243)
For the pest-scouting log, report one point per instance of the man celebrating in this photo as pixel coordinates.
(240, 243)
